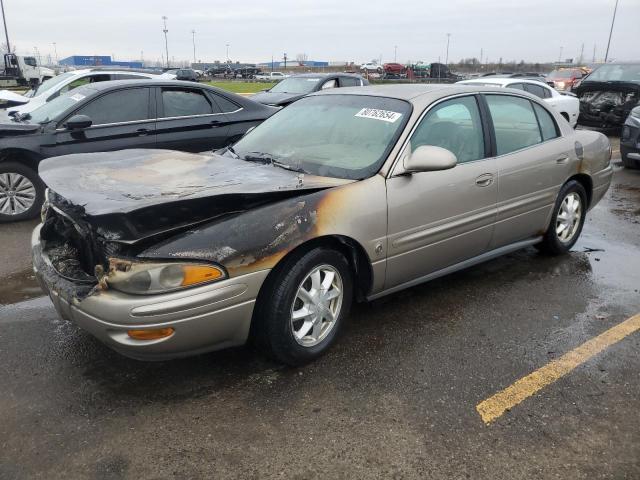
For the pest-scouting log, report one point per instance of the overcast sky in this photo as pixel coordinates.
(333, 30)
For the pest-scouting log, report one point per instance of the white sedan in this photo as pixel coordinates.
(567, 104)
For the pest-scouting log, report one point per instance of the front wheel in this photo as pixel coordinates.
(21, 192)
(302, 308)
(568, 219)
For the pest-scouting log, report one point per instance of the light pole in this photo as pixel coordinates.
(166, 43)
(6, 33)
(560, 56)
(193, 33)
(613, 20)
(395, 53)
(55, 50)
(227, 53)
(446, 59)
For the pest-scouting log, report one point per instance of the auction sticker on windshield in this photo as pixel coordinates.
(384, 115)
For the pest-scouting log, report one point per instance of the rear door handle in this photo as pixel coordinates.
(142, 132)
(215, 123)
(562, 160)
(484, 180)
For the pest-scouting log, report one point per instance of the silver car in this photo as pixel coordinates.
(349, 194)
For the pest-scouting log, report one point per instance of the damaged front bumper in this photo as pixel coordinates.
(206, 318)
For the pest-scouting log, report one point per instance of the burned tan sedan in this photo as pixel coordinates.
(345, 195)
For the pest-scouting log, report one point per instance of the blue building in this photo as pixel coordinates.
(294, 63)
(97, 61)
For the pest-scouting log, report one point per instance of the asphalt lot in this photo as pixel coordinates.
(396, 398)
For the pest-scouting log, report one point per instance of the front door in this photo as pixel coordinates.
(121, 119)
(437, 219)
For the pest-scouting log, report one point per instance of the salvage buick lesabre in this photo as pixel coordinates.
(345, 195)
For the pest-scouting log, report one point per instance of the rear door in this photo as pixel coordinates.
(437, 219)
(121, 119)
(189, 120)
(533, 161)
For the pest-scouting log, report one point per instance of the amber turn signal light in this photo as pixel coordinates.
(194, 274)
(155, 334)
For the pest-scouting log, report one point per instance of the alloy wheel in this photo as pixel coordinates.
(17, 193)
(316, 306)
(569, 217)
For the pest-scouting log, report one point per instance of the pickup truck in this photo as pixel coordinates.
(271, 76)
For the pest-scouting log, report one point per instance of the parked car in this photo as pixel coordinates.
(394, 70)
(565, 103)
(565, 78)
(66, 82)
(271, 76)
(608, 94)
(112, 116)
(187, 74)
(297, 86)
(166, 254)
(630, 140)
(371, 68)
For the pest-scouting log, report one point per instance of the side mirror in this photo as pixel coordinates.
(429, 158)
(78, 121)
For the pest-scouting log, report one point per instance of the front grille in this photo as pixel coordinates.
(69, 246)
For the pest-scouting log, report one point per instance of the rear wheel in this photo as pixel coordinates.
(302, 308)
(567, 221)
(21, 192)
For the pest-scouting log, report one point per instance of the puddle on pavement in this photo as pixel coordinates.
(19, 286)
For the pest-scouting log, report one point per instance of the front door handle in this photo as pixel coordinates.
(484, 180)
(142, 132)
(562, 160)
(215, 123)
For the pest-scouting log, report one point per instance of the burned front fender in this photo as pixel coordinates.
(259, 238)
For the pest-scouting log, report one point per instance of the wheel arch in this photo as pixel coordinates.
(27, 157)
(586, 181)
(349, 247)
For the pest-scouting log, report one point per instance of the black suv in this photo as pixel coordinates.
(113, 116)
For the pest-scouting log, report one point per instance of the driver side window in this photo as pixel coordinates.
(455, 125)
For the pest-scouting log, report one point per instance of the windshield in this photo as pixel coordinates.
(616, 73)
(57, 107)
(563, 74)
(52, 82)
(343, 136)
(296, 85)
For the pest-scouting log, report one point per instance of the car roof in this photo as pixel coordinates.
(103, 70)
(155, 82)
(502, 81)
(415, 93)
(324, 74)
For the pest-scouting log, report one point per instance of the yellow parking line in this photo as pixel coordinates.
(495, 406)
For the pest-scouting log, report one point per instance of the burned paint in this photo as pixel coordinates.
(131, 180)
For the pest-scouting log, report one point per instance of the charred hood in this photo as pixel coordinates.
(131, 195)
(607, 103)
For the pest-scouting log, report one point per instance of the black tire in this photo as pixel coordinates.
(552, 243)
(32, 176)
(272, 330)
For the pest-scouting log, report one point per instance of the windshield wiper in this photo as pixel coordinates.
(268, 158)
(233, 152)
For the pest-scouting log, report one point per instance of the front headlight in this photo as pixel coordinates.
(140, 278)
(635, 112)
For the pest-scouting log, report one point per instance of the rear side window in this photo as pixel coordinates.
(181, 102)
(119, 106)
(537, 90)
(517, 86)
(548, 125)
(349, 82)
(514, 123)
(225, 105)
(455, 125)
